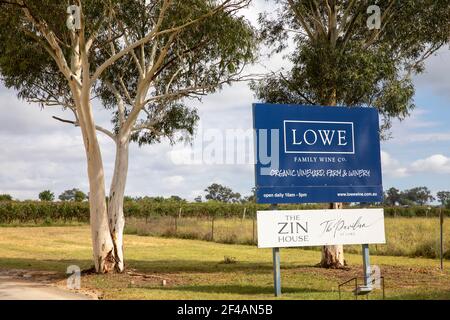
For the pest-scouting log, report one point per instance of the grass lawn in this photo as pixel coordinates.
(197, 269)
(409, 237)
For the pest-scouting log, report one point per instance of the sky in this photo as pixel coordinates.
(38, 153)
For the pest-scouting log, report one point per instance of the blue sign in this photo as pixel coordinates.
(308, 154)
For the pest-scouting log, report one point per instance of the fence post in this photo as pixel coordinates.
(441, 220)
(212, 228)
(253, 234)
(176, 224)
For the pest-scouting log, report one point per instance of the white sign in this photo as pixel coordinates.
(302, 228)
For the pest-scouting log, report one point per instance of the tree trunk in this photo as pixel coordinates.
(102, 244)
(333, 256)
(116, 196)
(103, 248)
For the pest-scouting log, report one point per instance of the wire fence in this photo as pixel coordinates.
(223, 230)
(413, 237)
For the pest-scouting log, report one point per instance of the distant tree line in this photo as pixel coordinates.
(74, 195)
(418, 196)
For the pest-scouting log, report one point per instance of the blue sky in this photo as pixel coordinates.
(38, 153)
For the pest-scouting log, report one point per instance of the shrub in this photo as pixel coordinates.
(5, 197)
(34, 211)
(426, 250)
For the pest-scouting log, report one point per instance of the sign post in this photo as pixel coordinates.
(366, 265)
(276, 271)
(276, 265)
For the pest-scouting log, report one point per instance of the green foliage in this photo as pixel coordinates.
(203, 57)
(43, 211)
(392, 197)
(444, 198)
(5, 197)
(25, 63)
(46, 195)
(70, 210)
(177, 199)
(73, 195)
(35, 211)
(418, 196)
(252, 197)
(415, 211)
(337, 60)
(217, 192)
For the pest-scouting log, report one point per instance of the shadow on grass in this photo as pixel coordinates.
(163, 266)
(241, 289)
(173, 266)
(436, 295)
(59, 266)
(154, 266)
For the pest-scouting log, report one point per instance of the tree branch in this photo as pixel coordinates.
(301, 19)
(292, 86)
(98, 128)
(51, 38)
(131, 47)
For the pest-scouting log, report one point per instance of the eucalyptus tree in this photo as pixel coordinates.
(46, 195)
(443, 197)
(220, 193)
(352, 53)
(141, 58)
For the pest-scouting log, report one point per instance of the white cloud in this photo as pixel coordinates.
(426, 137)
(434, 164)
(416, 128)
(173, 181)
(436, 77)
(437, 163)
(392, 167)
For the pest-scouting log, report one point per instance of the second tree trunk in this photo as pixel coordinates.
(333, 256)
(116, 199)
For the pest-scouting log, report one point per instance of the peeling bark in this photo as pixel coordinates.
(115, 206)
(333, 256)
(103, 248)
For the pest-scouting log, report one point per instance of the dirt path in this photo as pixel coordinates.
(12, 288)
